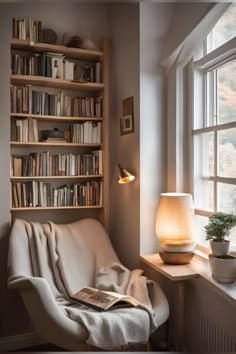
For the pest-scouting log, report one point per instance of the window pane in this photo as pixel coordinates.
(226, 93)
(232, 235)
(204, 155)
(199, 100)
(199, 231)
(210, 99)
(227, 153)
(226, 198)
(203, 169)
(203, 194)
(224, 30)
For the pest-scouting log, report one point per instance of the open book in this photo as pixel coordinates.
(103, 300)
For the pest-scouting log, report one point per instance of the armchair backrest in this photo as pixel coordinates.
(67, 255)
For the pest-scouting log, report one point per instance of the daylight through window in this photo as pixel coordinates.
(214, 125)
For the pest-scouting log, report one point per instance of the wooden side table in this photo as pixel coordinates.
(177, 274)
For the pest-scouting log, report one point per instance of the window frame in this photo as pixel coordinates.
(197, 83)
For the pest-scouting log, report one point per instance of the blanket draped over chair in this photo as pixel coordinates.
(69, 257)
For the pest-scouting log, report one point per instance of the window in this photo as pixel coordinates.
(214, 125)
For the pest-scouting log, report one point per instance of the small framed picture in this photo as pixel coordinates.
(126, 124)
(127, 119)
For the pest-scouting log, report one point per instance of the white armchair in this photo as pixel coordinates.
(48, 262)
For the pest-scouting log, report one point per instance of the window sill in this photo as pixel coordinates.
(197, 268)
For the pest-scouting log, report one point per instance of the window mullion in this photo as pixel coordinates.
(206, 101)
(215, 90)
(215, 98)
(219, 127)
(215, 195)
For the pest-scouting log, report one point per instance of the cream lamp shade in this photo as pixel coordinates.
(174, 222)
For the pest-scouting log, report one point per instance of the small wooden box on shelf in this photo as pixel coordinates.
(48, 88)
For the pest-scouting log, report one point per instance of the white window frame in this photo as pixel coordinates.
(213, 60)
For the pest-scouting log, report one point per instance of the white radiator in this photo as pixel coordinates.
(203, 334)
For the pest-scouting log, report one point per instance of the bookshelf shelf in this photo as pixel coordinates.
(27, 178)
(55, 83)
(73, 53)
(57, 208)
(43, 91)
(17, 143)
(55, 118)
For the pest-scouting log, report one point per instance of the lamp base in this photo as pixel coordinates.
(176, 257)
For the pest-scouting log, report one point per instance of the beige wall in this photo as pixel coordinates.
(155, 21)
(125, 199)
(138, 34)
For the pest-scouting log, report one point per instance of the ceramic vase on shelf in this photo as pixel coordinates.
(88, 43)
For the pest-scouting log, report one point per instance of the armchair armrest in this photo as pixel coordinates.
(44, 313)
(159, 303)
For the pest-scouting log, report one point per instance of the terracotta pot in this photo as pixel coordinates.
(219, 248)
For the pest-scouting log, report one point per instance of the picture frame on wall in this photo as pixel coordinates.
(127, 118)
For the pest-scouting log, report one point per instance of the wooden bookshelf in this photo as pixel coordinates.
(73, 53)
(55, 118)
(30, 178)
(56, 208)
(55, 83)
(19, 143)
(70, 87)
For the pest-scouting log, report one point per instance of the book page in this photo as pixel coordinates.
(121, 297)
(103, 299)
(95, 297)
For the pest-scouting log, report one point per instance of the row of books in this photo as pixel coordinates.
(55, 65)
(47, 164)
(27, 29)
(86, 133)
(26, 100)
(88, 72)
(61, 104)
(26, 130)
(20, 99)
(41, 194)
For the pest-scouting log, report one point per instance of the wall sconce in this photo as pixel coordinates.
(174, 227)
(124, 175)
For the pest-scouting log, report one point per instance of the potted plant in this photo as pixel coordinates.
(222, 265)
(217, 229)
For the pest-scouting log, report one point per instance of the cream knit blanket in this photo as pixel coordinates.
(69, 257)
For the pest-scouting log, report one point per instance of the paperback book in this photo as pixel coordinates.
(103, 300)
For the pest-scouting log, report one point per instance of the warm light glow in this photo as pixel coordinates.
(124, 175)
(126, 179)
(174, 223)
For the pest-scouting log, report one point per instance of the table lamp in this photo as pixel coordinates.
(174, 227)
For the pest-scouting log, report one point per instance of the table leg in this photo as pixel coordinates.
(180, 312)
